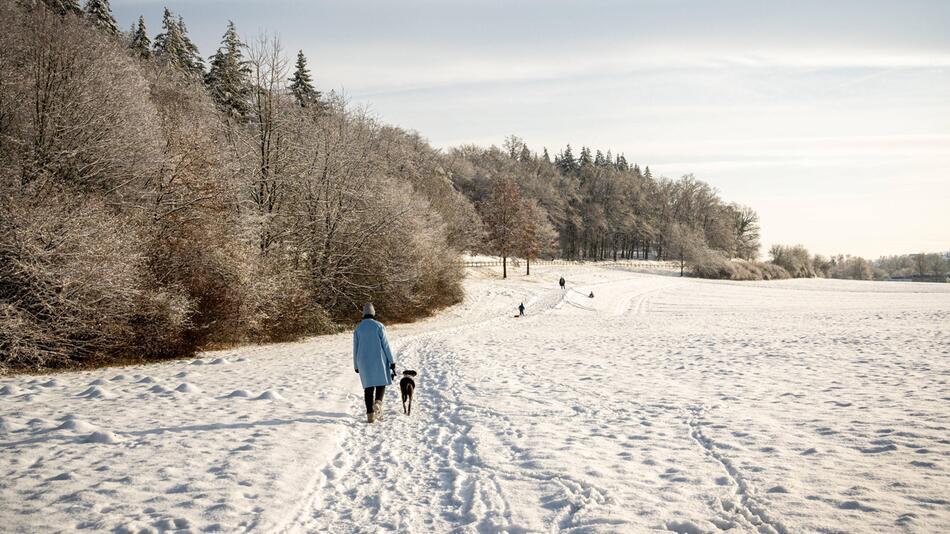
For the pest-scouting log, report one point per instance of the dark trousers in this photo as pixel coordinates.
(370, 397)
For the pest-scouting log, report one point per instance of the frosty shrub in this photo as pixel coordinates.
(74, 286)
(794, 259)
(715, 265)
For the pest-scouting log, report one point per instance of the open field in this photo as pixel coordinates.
(662, 404)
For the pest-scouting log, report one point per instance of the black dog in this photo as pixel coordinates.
(406, 386)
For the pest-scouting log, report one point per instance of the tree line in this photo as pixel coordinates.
(597, 206)
(924, 267)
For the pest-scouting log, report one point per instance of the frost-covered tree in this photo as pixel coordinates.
(585, 159)
(139, 43)
(168, 45)
(503, 214)
(64, 7)
(794, 259)
(535, 233)
(566, 162)
(193, 61)
(173, 47)
(227, 77)
(100, 14)
(746, 229)
(301, 83)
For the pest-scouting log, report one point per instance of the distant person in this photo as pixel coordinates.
(562, 282)
(521, 309)
(591, 294)
(373, 360)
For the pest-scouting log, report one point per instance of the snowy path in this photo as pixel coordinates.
(660, 405)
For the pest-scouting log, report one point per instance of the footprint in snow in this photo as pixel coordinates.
(185, 387)
(102, 437)
(269, 395)
(77, 425)
(96, 392)
(855, 505)
(9, 389)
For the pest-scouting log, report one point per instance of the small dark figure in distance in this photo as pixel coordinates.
(591, 294)
(561, 281)
(407, 386)
(521, 309)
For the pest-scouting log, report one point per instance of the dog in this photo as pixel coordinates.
(407, 386)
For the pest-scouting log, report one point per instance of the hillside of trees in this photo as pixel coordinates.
(597, 206)
(152, 204)
(155, 201)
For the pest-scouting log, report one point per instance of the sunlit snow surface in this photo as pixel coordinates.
(662, 404)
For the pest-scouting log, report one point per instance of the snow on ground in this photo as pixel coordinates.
(662, 404)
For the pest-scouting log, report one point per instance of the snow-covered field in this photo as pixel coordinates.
(662, 404)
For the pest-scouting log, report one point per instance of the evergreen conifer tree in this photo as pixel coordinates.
(139, 43)
(647, 174)
(99, 13)
(585, 160)
(566, 163)
(546, 157)
(227, 75)
(168, 45)
(173, 47)
(301, 83)
(622, 162)
(192, 59)
(525, 153)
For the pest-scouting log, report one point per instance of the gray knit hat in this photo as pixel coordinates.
(368, 309)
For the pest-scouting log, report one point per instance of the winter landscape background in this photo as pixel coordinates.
(187, 240)
(662, 404)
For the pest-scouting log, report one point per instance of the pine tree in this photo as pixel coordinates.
(622, 163)
(585, 160)
(546, 157)
(173, 47)
(566, 162)
(525, 153)
(301, 84)
(195, 64)
(647, 174)
(140, 44)
(168, 44)
(600, 160)
(227, 76)
(99, 13)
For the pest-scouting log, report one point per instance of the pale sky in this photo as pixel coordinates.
(830, 118)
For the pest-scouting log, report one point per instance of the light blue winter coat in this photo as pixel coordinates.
(371, 354)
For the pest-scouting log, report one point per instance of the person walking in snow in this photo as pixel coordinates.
(561, 282)
(521, 309)
(373, 360)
